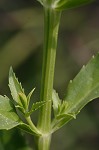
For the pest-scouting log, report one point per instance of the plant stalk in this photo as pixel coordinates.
(51, 26)
(33, 127)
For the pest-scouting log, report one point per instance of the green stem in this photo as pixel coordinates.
(51, 22)
(29, 121)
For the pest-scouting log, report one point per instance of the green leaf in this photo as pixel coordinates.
(20, 108)
(67, 4)
(8, 117)
(56, 102)
(59, 106)
(35, 106)
(62, 107)
(64, 115)
(57, 123)
(29, 96)
(15, 86)
(28, 129)
(23, 100)
(83, 89)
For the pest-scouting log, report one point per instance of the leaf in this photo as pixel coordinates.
(8, 117)
(63, 107)
(83, 89)
(35, 106)
(28, 129)
(67, 4)
(23, 100)
(57, 123)
(29, 96)
(15, 86)
(59, 106)
(56, 102)
(64, 115)
(20, 108)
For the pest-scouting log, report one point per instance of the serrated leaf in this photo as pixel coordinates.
(83, 89)
(59, 106)
(36, 106)
(8, 117)
(61, 116)
(29, 96)
(56, 102)
(67, 4)
(15, 86)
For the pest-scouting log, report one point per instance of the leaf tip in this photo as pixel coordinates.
(11, 73)
(11, 69)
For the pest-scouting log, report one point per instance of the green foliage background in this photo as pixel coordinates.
(21, 37)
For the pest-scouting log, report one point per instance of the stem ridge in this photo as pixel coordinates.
(51, 22)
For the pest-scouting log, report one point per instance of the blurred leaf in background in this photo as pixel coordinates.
(21, 37)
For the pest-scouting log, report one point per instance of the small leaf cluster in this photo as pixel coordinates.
(20, 99)
(9, 117)
(81, 90)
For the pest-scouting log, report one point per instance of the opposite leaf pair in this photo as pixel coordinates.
(83, 89)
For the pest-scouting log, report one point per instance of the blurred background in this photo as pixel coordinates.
(21, 38)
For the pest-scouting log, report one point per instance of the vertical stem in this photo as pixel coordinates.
(51, 22)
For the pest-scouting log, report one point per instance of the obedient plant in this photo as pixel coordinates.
(81, 90)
